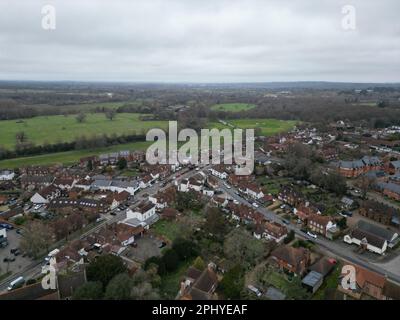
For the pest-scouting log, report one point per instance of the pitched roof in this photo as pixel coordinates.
(323, 266)
(365, 276)
(376, 230)
(290, 254)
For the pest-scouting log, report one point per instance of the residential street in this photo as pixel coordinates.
(340, 250)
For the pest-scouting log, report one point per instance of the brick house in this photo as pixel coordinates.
(294, 260)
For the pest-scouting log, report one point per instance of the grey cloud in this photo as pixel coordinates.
(200, 41)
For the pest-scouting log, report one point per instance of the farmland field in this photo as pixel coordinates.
(53, 129)
(69, 157)
(232, 107)
(268, 126)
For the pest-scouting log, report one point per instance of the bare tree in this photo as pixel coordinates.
(21, 137)
(37, 238)
(81, 117)
(110, 114)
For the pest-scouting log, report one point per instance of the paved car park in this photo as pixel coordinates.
(20, 261)
(146, 247)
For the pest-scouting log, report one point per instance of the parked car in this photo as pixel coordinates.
(227, 185)
(285, 221)
(9, 259)
(235, 201)
(312, 235)
(6, 226)
(346, 213)
(255, 290)
(162, 244)
(255, 205)
(13, 250)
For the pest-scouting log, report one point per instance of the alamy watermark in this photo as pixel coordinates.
(196, 150)
(48, 17)
(349, 279)
(49, 281)
(349, 21)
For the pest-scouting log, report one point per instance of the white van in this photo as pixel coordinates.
(52, 254)
(16, 283)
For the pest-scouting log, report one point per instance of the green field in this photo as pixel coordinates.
(69, 157)
(232, 107)
(53, 129)
(268, 127)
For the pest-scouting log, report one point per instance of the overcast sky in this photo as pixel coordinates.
(200, 41)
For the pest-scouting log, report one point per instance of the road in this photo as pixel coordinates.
(341, 250)
(34, 269)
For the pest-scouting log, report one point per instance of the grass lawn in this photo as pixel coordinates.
(268, 126)
(232, 107)
(170, 283)
(69, 157)
(168, 229)
(53, 129)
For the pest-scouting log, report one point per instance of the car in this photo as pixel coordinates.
(235, 201)
(312, 235)
(9, 259)
(100, 219)
(19, 231)
(255, 205)
(346, 214)
(285, 221)
(227, 185)
(113, 213)
(197, 169)
(134, 244)
(6, 226)
(162, 244)
(13, 250)
(17, 252)
(255, 290)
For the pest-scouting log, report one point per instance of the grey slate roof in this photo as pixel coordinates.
(376, 230)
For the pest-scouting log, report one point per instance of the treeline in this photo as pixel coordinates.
(81, 143)
(318, 110)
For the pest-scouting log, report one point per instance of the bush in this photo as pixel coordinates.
(171, 260)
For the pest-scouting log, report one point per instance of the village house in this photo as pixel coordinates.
(199, 285)
(116, 185)
(393, 167)
(164, 199)
(290, 259)
(62, 205)
(235, 180)
(36, 181)
(320, 224)
(371, 237)
(379, 212)
(45, 195)
(252, 190)
(64, 183)
(392, 190)
(367, 283)
(6, 175)
(144, 214)
(290, 196)
(274, 231)
(115, 199)
(355, 168)
(218, 171)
